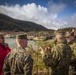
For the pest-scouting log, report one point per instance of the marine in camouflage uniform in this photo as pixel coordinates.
(18, 61)
(72, 42)
(59, 58)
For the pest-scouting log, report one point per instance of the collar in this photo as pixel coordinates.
(21, 49)
(62, 41)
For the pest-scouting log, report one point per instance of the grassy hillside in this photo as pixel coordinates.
(8, 23)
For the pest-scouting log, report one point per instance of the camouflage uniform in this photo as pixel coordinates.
(59, 58)
(18, 62)
(73, 59)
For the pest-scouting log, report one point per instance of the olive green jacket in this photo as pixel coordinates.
(59, 58)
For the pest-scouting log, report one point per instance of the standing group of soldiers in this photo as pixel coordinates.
(61, 58)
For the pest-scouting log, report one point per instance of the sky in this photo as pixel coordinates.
(52, 14)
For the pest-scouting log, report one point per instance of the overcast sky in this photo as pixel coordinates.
(52, 14)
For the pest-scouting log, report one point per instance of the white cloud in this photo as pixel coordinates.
(72, 20)
(37, 14)
(56, 8)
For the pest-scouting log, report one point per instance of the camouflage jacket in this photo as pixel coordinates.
(59, 58)
(73, 47)
(18, 62)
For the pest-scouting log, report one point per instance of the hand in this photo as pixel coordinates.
(47, 49)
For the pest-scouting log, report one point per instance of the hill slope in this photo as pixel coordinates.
(8, 23)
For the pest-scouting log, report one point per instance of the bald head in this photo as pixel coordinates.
(60, 37)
